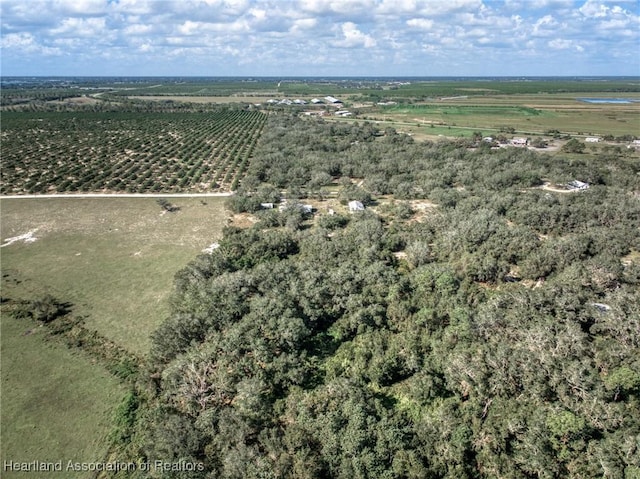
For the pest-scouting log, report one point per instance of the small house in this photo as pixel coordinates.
(576, 185)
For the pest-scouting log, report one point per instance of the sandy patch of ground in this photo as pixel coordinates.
(556, 189)
(26, 237)
(422, 205)
(209, 249)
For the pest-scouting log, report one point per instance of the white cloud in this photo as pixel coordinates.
(80, 7)
(594, 9)
(352, 37)
(292, 34)
(546, 26)
(300, 26)
(134, 7)
(138, 29)
(439, 8)
(340, 7)
(191, 28)
(538, 4)
(420, 23)
(565, 44)
(80, 27)
(25, 43)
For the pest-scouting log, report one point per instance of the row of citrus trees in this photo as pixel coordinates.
(127, 151)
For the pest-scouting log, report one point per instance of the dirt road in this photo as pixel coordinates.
(116, 195)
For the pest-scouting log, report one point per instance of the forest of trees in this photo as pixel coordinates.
(495, 336)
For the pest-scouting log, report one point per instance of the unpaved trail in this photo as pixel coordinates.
(117, 195)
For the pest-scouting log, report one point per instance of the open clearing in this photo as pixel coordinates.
(113, 258)
(44, 385)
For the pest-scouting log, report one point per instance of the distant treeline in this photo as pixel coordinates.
(374, 89)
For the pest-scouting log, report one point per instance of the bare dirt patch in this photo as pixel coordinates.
(26, 237)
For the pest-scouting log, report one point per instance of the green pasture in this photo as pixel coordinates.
(464, 110)
(423, 89)
(56, 405)
(113, 258)
(530, 114)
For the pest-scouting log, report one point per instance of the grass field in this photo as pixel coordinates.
(113, 258)
(528, 114)
(56, 405)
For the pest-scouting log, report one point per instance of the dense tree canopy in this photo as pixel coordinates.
(496, 336)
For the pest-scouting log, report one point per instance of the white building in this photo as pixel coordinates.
(519, 141)
(355, 206)
(577, 185)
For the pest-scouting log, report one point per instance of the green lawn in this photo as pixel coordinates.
(113, 258)
(55, 405)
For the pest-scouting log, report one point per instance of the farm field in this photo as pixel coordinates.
(527, 114)
(113, 258)
(205, 99)
(44, 385)
(127, 151)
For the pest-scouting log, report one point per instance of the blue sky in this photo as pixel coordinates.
(320, 37)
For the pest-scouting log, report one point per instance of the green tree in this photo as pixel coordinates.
(574, 146)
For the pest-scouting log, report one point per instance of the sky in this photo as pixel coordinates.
(320, 38)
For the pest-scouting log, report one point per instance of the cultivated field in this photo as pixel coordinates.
(206, 99)
(123, 151)
(527, 114)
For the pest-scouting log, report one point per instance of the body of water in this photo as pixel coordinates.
(608, 100)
